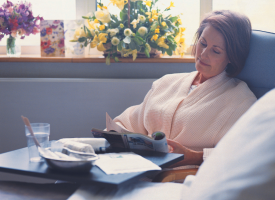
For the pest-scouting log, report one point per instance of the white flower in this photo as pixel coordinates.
(103, 16)
(127, 32)
(135, 22)
(142, 18)
(142, 30)
(115, 41)
(113, 31)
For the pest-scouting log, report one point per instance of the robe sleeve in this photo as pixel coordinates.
(239, 111)
(132, 118)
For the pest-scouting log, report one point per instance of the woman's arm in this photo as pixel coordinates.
(190, 157)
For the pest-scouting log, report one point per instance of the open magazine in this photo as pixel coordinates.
(120, 138)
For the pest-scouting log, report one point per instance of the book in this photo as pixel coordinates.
(122, 139)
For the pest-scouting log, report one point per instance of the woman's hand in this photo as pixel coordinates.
(190, 157)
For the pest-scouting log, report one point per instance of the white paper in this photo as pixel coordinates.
(125, 162)
(111, 125)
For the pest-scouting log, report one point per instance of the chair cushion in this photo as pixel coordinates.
(242, 166)
(259, 70)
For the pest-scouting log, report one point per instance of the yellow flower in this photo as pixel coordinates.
(95, 42)
(155, 37)
(148, 3)
(182, 40)
(163, 24)
(179, 21)
(79, 32)
(103, 16)
(134, 23)
(134, 54)
(171, 5)
(154, 12)
(156, 30)
(92, 24)
(101, 27)
(182, 29)
(155, 17)
(105, 7)
(119, 3)
(96, 21)
(121, 25)
(161, 42)
(103, 37)
(100, 47)
(151, 20)
(149, 14)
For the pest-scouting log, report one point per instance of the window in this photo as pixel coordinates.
(260, 12)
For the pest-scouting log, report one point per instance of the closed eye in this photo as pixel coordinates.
(204, 45)
(216, 52)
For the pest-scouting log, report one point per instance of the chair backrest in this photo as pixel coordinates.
(259, 70)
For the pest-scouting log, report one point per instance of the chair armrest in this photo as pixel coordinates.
(173, 175)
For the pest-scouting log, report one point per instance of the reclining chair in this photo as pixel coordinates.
(258, 73)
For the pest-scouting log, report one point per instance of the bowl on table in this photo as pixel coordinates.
(78, 165)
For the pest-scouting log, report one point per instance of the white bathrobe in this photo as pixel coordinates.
(197, 120)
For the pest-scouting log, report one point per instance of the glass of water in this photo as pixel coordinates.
(42, 133)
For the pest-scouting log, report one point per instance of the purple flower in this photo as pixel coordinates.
(8, 4)
(49, 50)
(62, 24)
(56, 21)
(43, 32)
(61, 43)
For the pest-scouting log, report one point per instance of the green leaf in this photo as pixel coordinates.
(119, 46)
(127, 40)
(132, 45)
(169, 52)
(88, 31)
(173, 19)
(123, 15)
(82, 39)
(138, 41)
(147, 53)
(116, 59)
(86, 43)
(154, 26)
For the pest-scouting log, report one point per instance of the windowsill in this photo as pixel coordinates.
(95, 59)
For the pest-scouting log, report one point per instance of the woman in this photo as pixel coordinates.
(196, 109)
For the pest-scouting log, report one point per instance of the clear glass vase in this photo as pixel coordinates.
(13, 48)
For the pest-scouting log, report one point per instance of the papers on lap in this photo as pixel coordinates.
(125, 162)
(120, 138)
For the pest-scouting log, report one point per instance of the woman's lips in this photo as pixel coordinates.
(202, 63)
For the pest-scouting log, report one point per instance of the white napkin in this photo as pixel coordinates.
(126, 162)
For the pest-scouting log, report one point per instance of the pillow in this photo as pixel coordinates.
(242, 166)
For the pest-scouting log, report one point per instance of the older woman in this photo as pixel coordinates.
(196, 109)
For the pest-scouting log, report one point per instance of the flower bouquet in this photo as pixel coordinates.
(17, 19)
(139, 29)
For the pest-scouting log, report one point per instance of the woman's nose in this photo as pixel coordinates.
(204, 53)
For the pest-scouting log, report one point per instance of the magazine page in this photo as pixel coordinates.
(111, 125)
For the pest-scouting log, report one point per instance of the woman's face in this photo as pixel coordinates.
(211, 57)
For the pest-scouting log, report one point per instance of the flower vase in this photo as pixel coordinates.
(13, 49)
